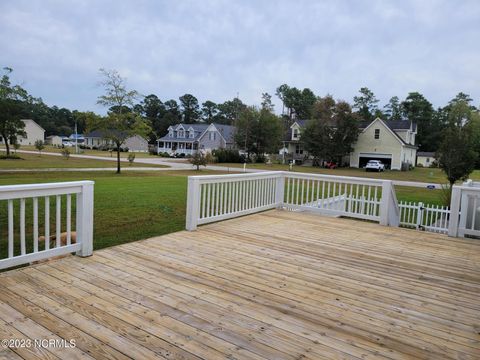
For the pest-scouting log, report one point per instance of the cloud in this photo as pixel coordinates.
(214, 49)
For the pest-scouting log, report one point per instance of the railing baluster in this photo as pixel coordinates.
(35, 224)
(203, 191)
(47, 222)
(22, 227)
(69, 219)
(58, 220)
(10, 228)
(208, 199)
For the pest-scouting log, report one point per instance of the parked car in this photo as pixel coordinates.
(330, 165)
(375, 165)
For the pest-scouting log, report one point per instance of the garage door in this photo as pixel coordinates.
(384, 158)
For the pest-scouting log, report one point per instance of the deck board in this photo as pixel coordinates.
(275, 285)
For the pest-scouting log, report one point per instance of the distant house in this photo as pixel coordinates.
(33, 132)
(392, 142)
(134, 143)
(426, 159)
(54, 140)
(189, 138)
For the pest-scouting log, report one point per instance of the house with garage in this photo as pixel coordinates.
(33, 132)
(391, 142)
(189, 138)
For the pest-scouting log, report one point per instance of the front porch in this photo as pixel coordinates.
(273, 285)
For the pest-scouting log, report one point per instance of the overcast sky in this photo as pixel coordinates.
(216, 49)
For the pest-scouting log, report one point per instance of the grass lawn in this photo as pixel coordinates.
(36, 161)
(49, 148)
(430, 175)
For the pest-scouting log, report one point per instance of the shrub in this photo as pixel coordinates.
(420, 165)
(39, 145)
(198, 159)
(228, 156)
(66, 153)
(131, 158)
(10, 157)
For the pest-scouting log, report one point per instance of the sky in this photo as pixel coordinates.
(217, 49)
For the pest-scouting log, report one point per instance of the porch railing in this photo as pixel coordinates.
(465, 210)
(218, 197)
(40, 221)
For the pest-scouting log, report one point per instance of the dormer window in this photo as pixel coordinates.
(170, 133)
(295, 134)
(191, 134)
(377, 134)
(181, 133)
(212, 135)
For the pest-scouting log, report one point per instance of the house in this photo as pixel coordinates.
(189, 138)
(426, 159)
(33, 132)
(134, 143)
(392, 142)
(54, 140)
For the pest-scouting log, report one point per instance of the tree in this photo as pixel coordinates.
(119, 124)
(190, 108)
(299, 103)
(366, 104)
(331, 133)
(153, 110)
(417, 109)
(12, 106)
(209, 111)
(198, 159)
(39, 145)
(457, 153)
(229, 111)
(267, 102)
(393, 110)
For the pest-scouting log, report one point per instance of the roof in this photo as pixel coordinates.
(426, 153)
(227, 131)
(32, 122)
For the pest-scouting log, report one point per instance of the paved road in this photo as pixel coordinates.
(176, 164)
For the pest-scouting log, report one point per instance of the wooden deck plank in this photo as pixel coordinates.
(275, 285)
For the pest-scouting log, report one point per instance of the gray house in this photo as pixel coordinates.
(134, 143)
(189, 138)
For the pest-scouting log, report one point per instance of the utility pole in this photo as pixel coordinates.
(76, 138)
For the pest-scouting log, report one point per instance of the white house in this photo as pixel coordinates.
(33, 132)
(426, 159)
(392, 142)
(188, 138)
(54, 140)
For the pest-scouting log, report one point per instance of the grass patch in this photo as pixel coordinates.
(123, 155)
(37, 161)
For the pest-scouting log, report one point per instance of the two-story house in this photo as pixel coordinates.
(189, 138)
(392, 142)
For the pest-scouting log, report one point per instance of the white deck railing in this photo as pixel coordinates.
(426, 217)
(465, 210)
(31, 235)
(219, 197)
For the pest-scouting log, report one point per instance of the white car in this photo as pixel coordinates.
(375, 165)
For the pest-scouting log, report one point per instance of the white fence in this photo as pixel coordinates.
(465, 205)
(31, 212)
(426, 217)
(218, 197)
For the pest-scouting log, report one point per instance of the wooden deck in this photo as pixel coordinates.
(276, 285)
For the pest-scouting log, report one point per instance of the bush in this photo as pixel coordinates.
(131, 158)
(420, 165)
(66, 153)
(198, 159)
(10, 157)
(228, 156)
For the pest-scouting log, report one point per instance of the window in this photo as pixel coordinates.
(212, 135)
(428, 160)
(191, 134)
(295, 134)
(160, 144)
(377, 134)
(170, 133)
(298, 150)
(181, 133)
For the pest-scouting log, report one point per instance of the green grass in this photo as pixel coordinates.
(136, 205)
(430, 175)
(49, 148)
(37, 161)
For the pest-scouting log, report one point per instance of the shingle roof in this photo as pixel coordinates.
(227, 132)
(426, 153)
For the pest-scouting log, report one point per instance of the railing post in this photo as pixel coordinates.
(385, 202)
(280, 190)
(193, 203)
(455, 200)
(420, 211)
(85, 219)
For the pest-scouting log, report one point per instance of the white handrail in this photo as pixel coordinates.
(217, 197)
(28, 246)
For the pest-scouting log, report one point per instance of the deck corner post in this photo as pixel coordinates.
(85, 219)
(455, 200)
(193, 203)
(385, 202)
(280, 191)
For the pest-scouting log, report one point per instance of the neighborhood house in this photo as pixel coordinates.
(188, 138)
(426, 159)
(134, 143)
(391, 142)
(33, 132)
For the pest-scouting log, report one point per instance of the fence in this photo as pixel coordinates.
(32, 237)
(426, 217)
(465, 205)
(219, 197)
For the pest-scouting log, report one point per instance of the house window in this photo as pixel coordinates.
(160, 144)
(377, 134)
(191, 134)
(428, 160)
(295, 134)
(212, 135)
(181, 133)
(170, 133)
(298, 150)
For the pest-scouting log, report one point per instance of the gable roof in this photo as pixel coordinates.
(32, 122)
(392, 131)
(426, 153)
(226, 131)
